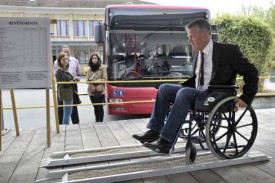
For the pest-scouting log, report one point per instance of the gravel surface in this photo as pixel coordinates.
(136, 167)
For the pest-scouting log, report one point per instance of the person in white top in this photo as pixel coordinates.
(75, 70)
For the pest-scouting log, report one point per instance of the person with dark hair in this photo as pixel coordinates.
(64, 91)
(97, 72)
(214, 64)
(75, 70)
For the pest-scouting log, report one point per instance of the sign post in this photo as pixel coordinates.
(1, 119)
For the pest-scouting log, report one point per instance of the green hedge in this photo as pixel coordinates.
(253, 37)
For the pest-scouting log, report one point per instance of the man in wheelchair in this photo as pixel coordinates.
(220, 65)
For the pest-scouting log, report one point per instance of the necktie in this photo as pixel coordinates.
(202, 70)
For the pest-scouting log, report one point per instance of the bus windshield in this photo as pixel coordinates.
(149, 55)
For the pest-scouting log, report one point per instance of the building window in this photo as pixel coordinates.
(63, 28)
(52, 30)
(92, 24)
(83, 54)
(80, 28)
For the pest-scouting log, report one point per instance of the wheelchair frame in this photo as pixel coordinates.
(229, 131)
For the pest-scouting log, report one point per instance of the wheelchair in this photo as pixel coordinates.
(218, 125)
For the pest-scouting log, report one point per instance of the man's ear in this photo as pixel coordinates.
(205, 34)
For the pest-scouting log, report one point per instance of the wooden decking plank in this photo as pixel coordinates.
(163, 178)
(89, 136)
(90, 140)
(132, 181)
(73, 141)
(253, 172)
(145, 121)
(160, 179)
(211, 176)
(121, 130)
(267, 146)
(264, 117)
(114, 131)
(264, 112)
(267, 166)
(266, 124)
(141, 124)
(231, 174)
(27, 167)
(57, 145)
(7, 140)
(120, 133)
(73, 138)
(105, 135)
(244, 173)
(131, 126)
(182, 177)
(13, 154)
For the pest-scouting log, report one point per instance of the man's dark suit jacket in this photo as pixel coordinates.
(228, 61)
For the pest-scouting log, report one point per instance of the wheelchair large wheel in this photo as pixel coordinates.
(231, 131)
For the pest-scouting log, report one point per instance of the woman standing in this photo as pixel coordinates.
(64, 91)
(96, 72)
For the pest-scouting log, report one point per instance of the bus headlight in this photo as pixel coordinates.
(115, 100)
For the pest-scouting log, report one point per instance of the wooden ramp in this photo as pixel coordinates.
(23, 158)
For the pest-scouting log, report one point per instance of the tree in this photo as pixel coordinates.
(268, 17)
(252, 35)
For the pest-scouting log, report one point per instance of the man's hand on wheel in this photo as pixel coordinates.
(241, 103)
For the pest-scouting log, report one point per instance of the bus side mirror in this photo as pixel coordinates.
(215, 37)
(215, 33)
(99, 33)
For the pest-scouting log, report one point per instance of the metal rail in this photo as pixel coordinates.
(137, 169)
(103, 154)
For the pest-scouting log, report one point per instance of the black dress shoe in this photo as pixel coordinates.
(160, 146)
(149, 136)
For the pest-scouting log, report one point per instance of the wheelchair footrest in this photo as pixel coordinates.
(195, 139)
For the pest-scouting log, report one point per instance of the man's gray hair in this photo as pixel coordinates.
(64, 46)
(202, 24)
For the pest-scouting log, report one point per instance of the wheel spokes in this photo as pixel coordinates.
(236, 130)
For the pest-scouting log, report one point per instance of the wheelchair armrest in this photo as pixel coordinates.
(223, 87)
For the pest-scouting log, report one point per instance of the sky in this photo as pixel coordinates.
(218, 6)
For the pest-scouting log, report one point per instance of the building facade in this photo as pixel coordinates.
(75, 21)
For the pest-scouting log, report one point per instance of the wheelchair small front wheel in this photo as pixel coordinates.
(191, 154)
(231, 131)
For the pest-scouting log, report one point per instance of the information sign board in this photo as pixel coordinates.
(25, 52)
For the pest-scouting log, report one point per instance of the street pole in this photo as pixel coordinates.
(4, 130)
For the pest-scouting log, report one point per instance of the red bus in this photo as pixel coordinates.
(141, 43)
